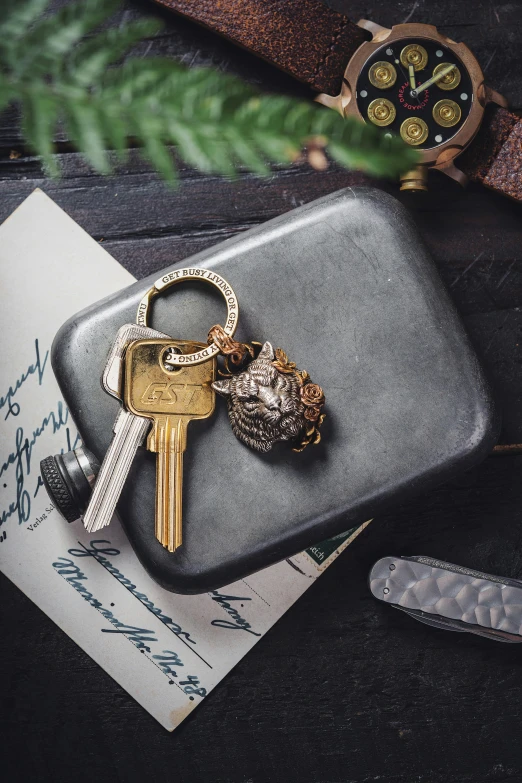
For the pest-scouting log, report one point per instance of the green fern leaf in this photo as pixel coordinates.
(39, 118)
(6, 92)
(160, 158)
(93, 56)
(218, 123)
(50, 40)
(277, 149)
(247, 154)
(115, 129)
(190, 147)
(83, 122)
(16, 17)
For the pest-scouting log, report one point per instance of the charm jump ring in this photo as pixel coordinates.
(193, 273)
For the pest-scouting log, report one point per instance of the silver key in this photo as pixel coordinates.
(130, 432)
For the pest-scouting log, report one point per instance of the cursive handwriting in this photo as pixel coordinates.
(21, 458)
(137, 635)
(141, 638)
(36, 368)
(75, 577)
(101, 550)
(167, 661)
(237, 623)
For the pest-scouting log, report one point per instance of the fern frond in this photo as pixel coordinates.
(92, 56)
(40, 113)
(88, 133)
(218, 123)
(16, 17)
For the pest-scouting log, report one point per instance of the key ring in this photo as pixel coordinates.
(193, 273)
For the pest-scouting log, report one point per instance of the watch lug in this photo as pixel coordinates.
(492, 96)
(336, 102)
(446, 164)
(378, 32)
(451, 171)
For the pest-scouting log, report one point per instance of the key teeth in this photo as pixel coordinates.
(113, 473)
(93, 527)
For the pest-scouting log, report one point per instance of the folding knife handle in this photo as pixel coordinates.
(450, 597)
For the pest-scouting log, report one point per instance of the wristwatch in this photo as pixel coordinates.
(410, 80)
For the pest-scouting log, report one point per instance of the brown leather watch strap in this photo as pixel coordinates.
(306, 38)
(495, 157)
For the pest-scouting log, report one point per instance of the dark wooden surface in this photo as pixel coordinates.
(343, 689)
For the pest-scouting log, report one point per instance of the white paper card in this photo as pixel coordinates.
(168, 651)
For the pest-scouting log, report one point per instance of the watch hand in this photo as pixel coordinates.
(440, 75)
(405, 77)
(411, 71)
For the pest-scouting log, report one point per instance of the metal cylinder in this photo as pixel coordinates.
(381, 112)
(414, 131)
(382, 75)
(69, 479)
(450, 80)
(415, 180)
(416, 55)
(447, 113)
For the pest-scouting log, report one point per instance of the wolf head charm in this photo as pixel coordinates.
(266, 403)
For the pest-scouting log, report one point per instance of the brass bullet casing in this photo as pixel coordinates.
(416, 55)
(450, 80)
(381, 112)
(414, 131)
(382, 75)
(446, 113)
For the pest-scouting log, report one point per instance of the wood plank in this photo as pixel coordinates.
(458, 226)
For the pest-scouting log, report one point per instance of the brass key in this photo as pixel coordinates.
(171, 396)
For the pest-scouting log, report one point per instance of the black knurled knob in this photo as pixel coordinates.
(58, 490)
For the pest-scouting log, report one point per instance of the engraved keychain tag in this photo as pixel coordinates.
(268, 398)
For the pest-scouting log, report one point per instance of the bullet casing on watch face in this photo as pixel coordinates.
(441, 109)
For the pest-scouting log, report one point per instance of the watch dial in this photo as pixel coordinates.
(425, 118)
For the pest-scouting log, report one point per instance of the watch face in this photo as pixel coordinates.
(425, 117)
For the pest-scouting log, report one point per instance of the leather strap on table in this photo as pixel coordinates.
(305, 38)
(495, 156)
